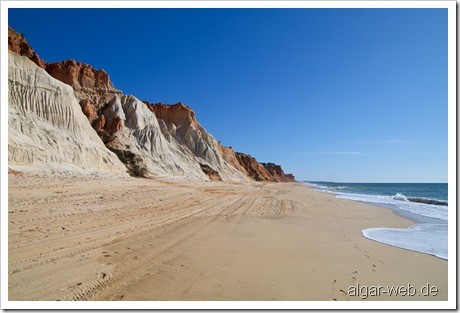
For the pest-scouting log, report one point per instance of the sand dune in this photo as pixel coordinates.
(140, 239)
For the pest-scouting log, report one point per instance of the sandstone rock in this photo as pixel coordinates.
(47, 130)
(149, 153)
(277, 172)
(88, 110)
(181, 125)
(229, 155)
(88, 83)
(80, 75)
(212, 174)
(99, 123)
(113, 125)
(114, 116)
(254, 169)
(18, 44)
(260, 171)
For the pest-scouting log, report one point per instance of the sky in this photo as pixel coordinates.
(345, 95)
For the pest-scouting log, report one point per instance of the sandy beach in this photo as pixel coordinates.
(140, 239)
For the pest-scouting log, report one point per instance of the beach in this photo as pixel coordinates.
(143, 239)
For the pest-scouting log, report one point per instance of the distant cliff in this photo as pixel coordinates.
(263, 171)
(151, 140)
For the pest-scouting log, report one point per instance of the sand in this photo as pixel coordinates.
(140, 239)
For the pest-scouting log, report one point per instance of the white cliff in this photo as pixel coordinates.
(47, 130)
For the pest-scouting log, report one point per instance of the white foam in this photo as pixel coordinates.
(428, 210)
(425, 238)
(400, 196)
(316, 186)
(429, 238)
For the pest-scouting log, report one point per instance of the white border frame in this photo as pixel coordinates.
(452, 115)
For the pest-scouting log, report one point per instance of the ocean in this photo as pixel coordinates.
(425, 204)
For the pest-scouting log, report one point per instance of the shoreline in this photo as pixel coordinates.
(408, 238)
(396, 210)
(130, 239)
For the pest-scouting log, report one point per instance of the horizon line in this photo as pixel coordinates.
(375, 182)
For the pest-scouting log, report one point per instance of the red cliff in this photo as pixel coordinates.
(230, 155)
(89, 84)
(254, 169)
(80, 75)
(179, 114)
(278, 173)
(18, 44)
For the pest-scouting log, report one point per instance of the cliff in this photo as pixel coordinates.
(18, 44)
(181, 126)
(91, 86)
(277, 172)
(230, 155)
(151, 140)
(254, 169)
(135, 131)
(47, 130)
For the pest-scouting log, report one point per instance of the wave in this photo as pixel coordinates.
(428, 201)
(326, 188)
(427, 207)
(422, 209)
(316, 186)
(425, 238)
(428, 236)
(339, 188)
(401, 197)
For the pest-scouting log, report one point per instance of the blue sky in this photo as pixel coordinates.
(349, 95)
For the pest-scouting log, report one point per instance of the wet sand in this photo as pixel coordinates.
(139, 239)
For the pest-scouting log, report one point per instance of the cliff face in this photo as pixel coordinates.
(80, 75)
(135, 131)
(262, 171)
(254, 169)
(277, 172)
(230, 155)
(180, 125)
(91, 86)
(152, 140)
(18, 44)
(47, 130)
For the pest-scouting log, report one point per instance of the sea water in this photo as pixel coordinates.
(425, 204)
